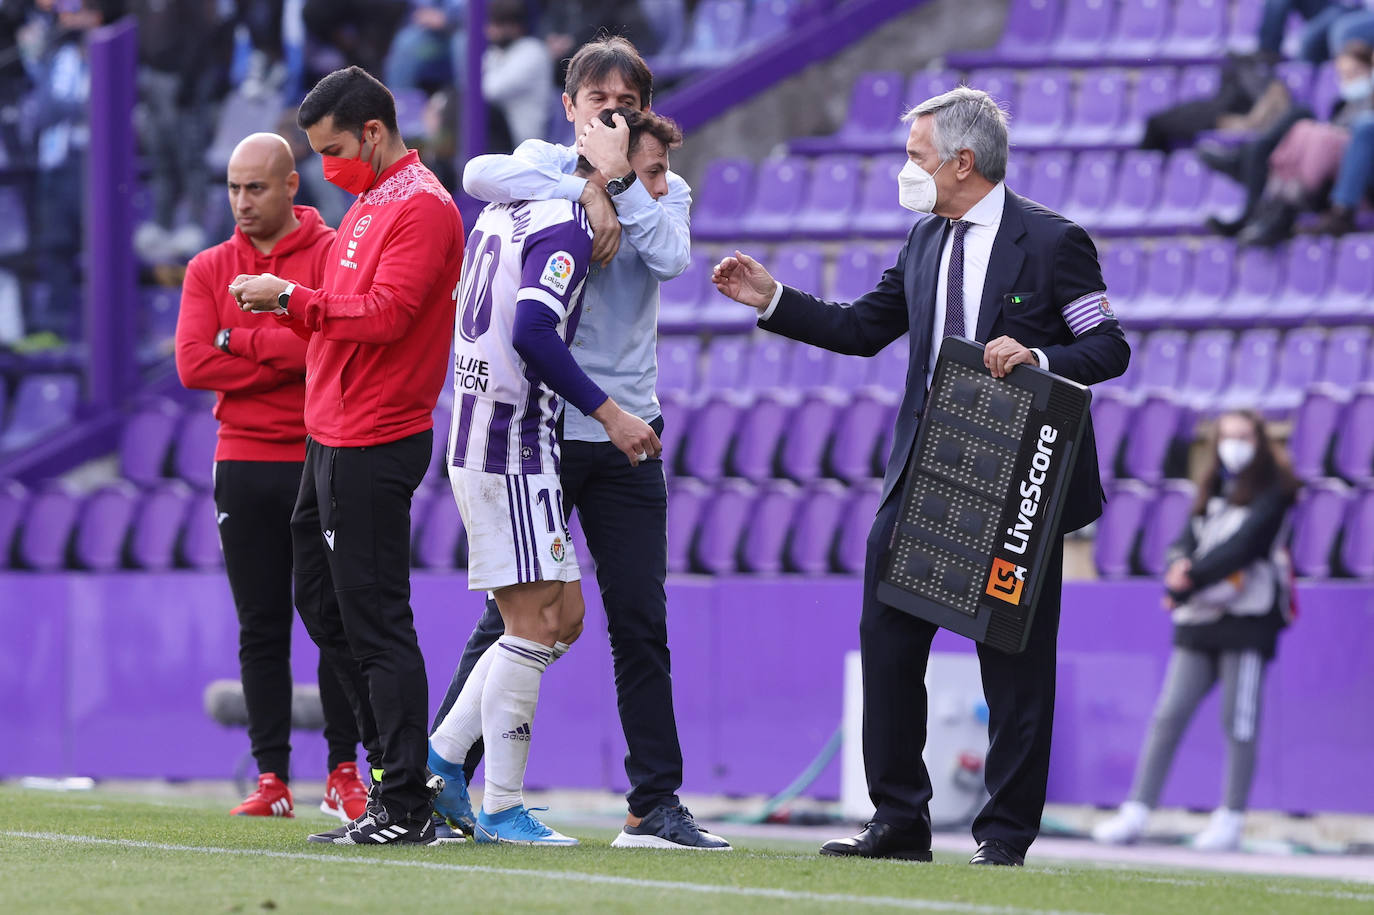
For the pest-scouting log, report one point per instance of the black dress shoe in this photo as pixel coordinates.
(997, 852)
(879, 840)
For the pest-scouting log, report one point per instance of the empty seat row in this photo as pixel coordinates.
(745, 363)
(1332, 529)
(42, 403)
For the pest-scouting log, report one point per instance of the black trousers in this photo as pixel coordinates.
(350, 534)
(253, 501)
(624, 514)
(1020, 694)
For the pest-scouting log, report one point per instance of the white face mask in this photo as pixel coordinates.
(916, 187)
(1235, 454)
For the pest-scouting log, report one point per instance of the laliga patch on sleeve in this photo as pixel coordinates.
(558, 272)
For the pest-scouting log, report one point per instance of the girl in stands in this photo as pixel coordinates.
(1227, 586)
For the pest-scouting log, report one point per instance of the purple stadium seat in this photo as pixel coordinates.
(858, 429)
(1352, 286)
(857, 269)
(1087, 26)
(799, 266)
(46, 532)
(1185, 182)
(157, 522)
(1049, 182)
(438, 537)
(780, 189)
(1093, 187)
(770, 519)
(1099, 111)
(726, 514)
(686, 498)
(1214, 279)
(1156, 425)
(43, 403)
(708, 441)
(1162, 361)
(813, 367)
(718, 30)
(923, 85)
(1044, 111)
(767, 20)
(1357, 544)
(1168, 278)
(145, 440)
(193, 458)
(1259, 279)
(1000, 83)
(1205, 371)
(1119, 528)
(676, 410)
(887, 370)
(1245, 24)
(98, 543)
(1142, 27)
(1353, 454)
(807, 435)
(200, 548)
(14, 224)
(1225, 198)
(689, 290)
(1164, 521)
(1112, 412)
(1316, 524)
(831, 195)
(1156, 88)
(1029, 33)
(1123, 268)
(1139, 188)
(726, 190)
(1199, 29)
(727, 363)
(1326, 91)
(1199, 81)
(1298, 367)
(14, 499)
(878, 212)
(677, 363)
(158, 316)
(875, 104)
(759, 432)
(669, 19)
(1252, 368)
(1307, 270)
(769, 359)
(815, 526)
(1344, 364)
(1314, 426)
(856, 521)
(1020, 167)
(1297, 76)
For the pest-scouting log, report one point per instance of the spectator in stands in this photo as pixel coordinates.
(1307, 159)
(1227, 586)
(379, 326)
(267, 64)
(429, 51)
(1249, 98)
(515, 77)
(569, 24)
(1320, 15)
(258, 375)
(623, 507)
(357, 32)
(1354, 179)
(994, 267)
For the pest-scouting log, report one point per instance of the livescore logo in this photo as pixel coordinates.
(1007, 580)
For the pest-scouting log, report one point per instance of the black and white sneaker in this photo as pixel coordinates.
(377, 826)
(669, 827)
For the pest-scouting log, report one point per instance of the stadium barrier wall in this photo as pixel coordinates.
(103, 675)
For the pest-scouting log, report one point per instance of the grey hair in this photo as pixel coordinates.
(968, 119)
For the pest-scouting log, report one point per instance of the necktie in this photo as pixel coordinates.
(954, 285)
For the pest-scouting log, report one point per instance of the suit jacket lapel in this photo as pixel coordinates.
(1004, 266)
(922, 279)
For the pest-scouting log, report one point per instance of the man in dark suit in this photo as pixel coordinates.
(998, 268)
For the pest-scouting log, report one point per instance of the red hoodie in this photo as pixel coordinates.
(260, 383)
(381, 323)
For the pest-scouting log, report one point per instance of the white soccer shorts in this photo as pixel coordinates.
(515, 526)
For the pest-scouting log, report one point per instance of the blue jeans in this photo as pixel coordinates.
(1357, 165)
(1276, 19)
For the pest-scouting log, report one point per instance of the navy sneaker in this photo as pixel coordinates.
(669, 827)
(452, 803)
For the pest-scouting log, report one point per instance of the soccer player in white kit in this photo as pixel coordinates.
(519, 302)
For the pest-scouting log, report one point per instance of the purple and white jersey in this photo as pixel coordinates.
(503, 414)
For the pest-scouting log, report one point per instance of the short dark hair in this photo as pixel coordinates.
(508, 12)
(600, 57)
(354, 97)
(641, 123)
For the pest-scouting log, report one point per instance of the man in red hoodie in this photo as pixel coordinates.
(379, 327)
(258, 376)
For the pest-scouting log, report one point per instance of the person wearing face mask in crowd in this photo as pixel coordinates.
(1227, 586)
(996, 267)
(516, 69)
(378, 329)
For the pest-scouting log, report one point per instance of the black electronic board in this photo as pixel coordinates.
(985, 487)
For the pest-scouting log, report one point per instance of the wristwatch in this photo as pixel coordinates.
(222, 340)
(284, 298)
(618, 186)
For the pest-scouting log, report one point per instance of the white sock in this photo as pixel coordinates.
(462, 726)
(508, 702)
(560, 649)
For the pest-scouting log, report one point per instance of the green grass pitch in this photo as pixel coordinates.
(108, 852)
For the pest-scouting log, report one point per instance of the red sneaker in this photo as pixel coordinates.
(345, 795)
(272, 799)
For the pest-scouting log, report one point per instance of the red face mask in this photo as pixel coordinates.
(353, 175)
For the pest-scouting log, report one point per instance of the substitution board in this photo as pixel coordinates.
(985, 486)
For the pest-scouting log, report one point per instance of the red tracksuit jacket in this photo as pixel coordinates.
(381, 323)
(260, 388)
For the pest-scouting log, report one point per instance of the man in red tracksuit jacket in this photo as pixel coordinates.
(379, 328)
(258, 375)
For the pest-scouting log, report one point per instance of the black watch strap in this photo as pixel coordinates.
(619, 185)
(222, 340)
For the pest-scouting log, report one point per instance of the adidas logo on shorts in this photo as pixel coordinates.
(520, 733)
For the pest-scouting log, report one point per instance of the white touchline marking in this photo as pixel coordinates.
(925, 905)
